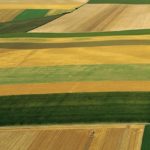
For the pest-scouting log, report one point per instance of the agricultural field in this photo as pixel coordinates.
(105, 17)
(65, 137)
(74, 75)
(38, 4)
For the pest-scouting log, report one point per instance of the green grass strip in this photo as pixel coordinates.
(104, 72)
(90, 34)
(146, 138)
(75, 108)
(31, 14)
(120, 1)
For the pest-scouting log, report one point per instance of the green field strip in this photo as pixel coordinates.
(63, 35)
(146, 138)
(25, 25)
(120, 1)
(104, 72)
(80, 44)
(31, 14)
(75, 108)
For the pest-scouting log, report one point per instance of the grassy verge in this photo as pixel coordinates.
(56, 35)
(66, 73)
(120, 1)
(75, 108)
(31, 14)
(146, 138)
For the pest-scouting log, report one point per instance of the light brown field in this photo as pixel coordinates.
(8, 14)
(101, 17)
(74, 87)
(40, 4)
(72, 137)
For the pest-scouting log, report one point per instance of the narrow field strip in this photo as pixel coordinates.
(146, 137)
(75, 87)
(67, 35)
(75, 73)
(38, 6)
(28, 46)
(74, 39)
(75, 108)
(81, 136)
(75, 56)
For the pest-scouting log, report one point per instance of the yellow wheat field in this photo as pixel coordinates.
(72, 137)
(75, 56)
(74, 87)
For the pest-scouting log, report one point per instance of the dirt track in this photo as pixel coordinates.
(101, 17)
(73, 137)
(74, 87)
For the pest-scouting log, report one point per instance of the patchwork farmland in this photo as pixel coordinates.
(75, 75)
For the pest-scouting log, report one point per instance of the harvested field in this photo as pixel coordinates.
(74, 51)
(38, 4)
(15, 57)
(8, 14)
(116, 137)
(101, 17)
(75, 87)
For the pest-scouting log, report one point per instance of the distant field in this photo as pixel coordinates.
(25, 24)
(120, 1)
(75, 108)
(31, 14)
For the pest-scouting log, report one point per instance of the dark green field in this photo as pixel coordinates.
(31, 14)
(75, 108)
(25, 25)
(146, 138)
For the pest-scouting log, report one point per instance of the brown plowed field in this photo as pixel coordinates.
(8, 14)
(80, 137)
(74, 87)
(101, 17)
